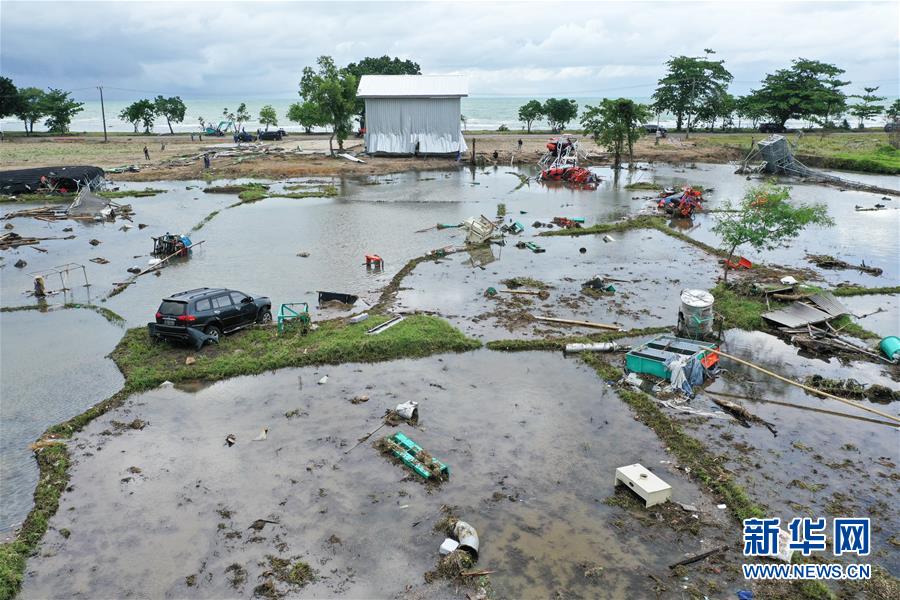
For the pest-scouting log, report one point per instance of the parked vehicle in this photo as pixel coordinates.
(243, 136)
(771, 128)
(214, 311)
(275, 134)
(892, 126)
(652, 128)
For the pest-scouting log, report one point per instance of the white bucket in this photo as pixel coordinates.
(695, 315)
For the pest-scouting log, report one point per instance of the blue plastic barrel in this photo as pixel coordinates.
(891, 347)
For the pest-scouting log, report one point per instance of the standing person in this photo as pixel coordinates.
(520, 145)
(162, 147)
(658, 135)
(206, 161)
(146, 153)
(192, 136)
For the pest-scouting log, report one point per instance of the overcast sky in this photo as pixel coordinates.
(258, 49)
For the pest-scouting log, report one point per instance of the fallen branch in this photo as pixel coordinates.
(581, 323)
(698, 557)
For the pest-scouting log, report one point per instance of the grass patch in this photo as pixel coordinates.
(858, 290)
(705, 466)
(501, 210)
(44, 198)
(517, 282)
(131, 193)
(234, 189)
(559, 343)
(644, 185)
(847, 325)
(740, 311)
(205, 220)
(252, 195)
(111, 316)
(146, 365)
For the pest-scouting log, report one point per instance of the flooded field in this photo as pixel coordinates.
(532, 466)
(529, 473)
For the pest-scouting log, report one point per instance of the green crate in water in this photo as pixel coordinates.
(650, 357)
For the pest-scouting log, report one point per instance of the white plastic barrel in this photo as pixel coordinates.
(695, 315)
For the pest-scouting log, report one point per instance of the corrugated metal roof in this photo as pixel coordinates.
(413, 86)
(796, 315)
(827, 302)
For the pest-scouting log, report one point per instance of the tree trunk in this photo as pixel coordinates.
(26, 126)
(725, 264)
(678, 121)
(135, 126)
(330, 147)
(529, 126)
(169, 123)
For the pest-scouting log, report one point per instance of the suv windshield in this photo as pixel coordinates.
(171, 307)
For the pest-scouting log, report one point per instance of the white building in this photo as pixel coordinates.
(413, 114)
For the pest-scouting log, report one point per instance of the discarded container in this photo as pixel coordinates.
(891, 347)
(343, 298)
(448, 546)
(651, 357)
(598, 347)
(788, 280)
(645, 484)
(468, 538)
(408, 410)
(359, 318)
(374, 260)
(480, 229)
(608, 238)
(415, 458)
(695, 315)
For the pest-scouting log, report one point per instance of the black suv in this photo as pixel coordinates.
(213, 311)
(771, 128)
(275, 134)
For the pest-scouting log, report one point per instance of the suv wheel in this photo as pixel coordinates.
(265, 317)
(214, 332)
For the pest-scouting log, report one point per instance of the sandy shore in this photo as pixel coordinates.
(168, 154)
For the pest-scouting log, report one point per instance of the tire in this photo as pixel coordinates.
(265, 317)
(213, 331)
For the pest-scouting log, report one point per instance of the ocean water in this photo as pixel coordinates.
(482, 113)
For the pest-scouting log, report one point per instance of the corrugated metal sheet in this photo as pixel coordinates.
(796, 315)
(413, 86)
(827, 302)
(397, 125)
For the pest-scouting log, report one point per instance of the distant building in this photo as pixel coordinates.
(409, 114)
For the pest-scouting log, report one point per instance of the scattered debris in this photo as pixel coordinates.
(829, 262)
(259, 524)
(263, 435)
(324, 380)
(698, 557)
(386, 325)
(230, 440)
(743, 415)
(94, 242)
(413, 456)
(100, 260)
(579, 323)
(850, 388)
(359, 399)
(20, 264)
(595, 347)
(348, 299)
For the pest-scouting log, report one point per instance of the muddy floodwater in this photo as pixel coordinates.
(532, 439)
(530, 470)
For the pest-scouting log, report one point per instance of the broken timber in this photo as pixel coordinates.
(581, 323)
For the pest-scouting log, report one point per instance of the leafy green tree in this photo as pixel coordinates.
(384, 65)
(10, 101)
(59, 110)
(268, 116)
(807, 89)
(868, 108)
(615, 125)
(172, 109)
(748, 107)
(559, 112)
(530, 112)
(307, 115)
(229, 116)
(333, 90)
(141, 112)
(31, 107)
(202, 123)
(893, 111)
(690, 84)
(241, 116)
(765, 220)
(721, 105)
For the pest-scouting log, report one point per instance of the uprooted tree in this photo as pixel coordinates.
(615, 125)
(765, 219)
(333, 90)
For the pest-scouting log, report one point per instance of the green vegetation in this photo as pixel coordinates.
(644, 185)
(858, 290)
(235, 188)
(691, 84)
(306, 114)
(559, 111)
(740, 311)
(765, 220)
(846, 325)
(104, 312)
(252, 194)
(53, 461)
(530, 112)
(146, 365)
(559, 343)
(806, 89)
(268, 116)
(140, 112)
(66, 198)
(205, 220)
(517, 282)
(615, 125)
(333, 92)
(383, 65)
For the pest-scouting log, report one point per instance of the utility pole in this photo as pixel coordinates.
(103, 113)
(693, 86)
